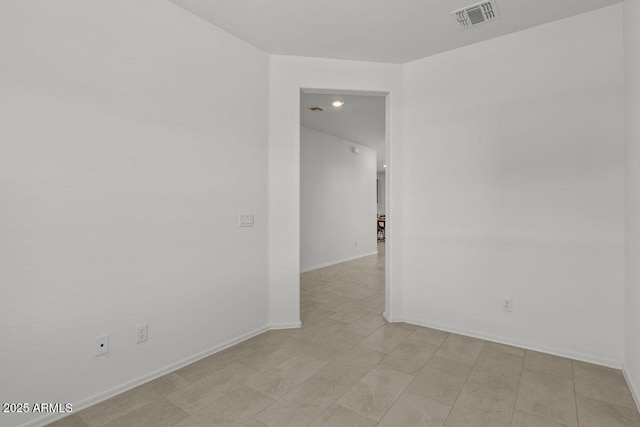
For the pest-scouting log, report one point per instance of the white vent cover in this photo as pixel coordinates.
(476, 14)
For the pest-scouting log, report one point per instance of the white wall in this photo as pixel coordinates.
(381, 192)
(131, 135)
(287, 76)
(632, 109)
(514, 170)
(337, 200)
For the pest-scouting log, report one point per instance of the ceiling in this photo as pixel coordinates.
(395, 31)
(361, 119)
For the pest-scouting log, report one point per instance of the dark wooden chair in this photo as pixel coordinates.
(381, 226)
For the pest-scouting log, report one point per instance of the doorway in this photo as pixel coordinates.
(343, 163)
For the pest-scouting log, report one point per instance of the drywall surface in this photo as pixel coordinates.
(288, 75)
(337, 200)
(514, 163)
(632, 126)
(132, 135)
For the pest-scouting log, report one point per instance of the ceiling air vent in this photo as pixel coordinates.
(476, 14)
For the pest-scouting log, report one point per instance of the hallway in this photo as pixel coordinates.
(348, 367)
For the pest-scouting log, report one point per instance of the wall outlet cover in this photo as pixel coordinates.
(142, 333)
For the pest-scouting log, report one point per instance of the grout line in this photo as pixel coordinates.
(513, 414)
(575, 393)
(463, 384)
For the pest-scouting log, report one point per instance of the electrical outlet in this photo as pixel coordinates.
(142, 333)
(507, 304)
(102, 345)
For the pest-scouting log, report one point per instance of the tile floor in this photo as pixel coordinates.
(348, 367)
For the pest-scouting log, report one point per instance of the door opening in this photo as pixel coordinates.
(344, 190)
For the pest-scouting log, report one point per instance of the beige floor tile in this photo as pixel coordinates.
(327, 353)
(482, 405)
(351, 315)
(202, 421)
(596, 413)
(548, 396)
(287, 413)
(304, 403)
(310, 316)
(312, 279)
(339, 416)
(409, 356)
(524, 419)
(269, 337)
(430, 336)
(602, 383)
(212, 420)
(164, 385)
(497, 367)
(320, 391)
(70, 421)
(363, 293)
(352, 366)
(548, 364)
(441, 380)
(366, 325)
(373, 301)
(322, 327)
(488, 345)
(378, 310)
(270, 355)
(413, 410)
(239, 405)
(213, 363)
(461, 349)
(211, 388)
(376, 392)
(323, 296)
(160, 413)
(404, 326)
(339, 342)
(386, 338)
(254, 423)
(340, 303)
(118, 406)
(286, 376)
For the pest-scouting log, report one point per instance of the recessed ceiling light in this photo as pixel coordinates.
(338, 103)
(384, 166)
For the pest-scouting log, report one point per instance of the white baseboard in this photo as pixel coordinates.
(515, 343)
(635, 392)
(330, 263)
(100, 397)
(292, 325)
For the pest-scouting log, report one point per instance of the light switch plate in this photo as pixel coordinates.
(245, 219)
